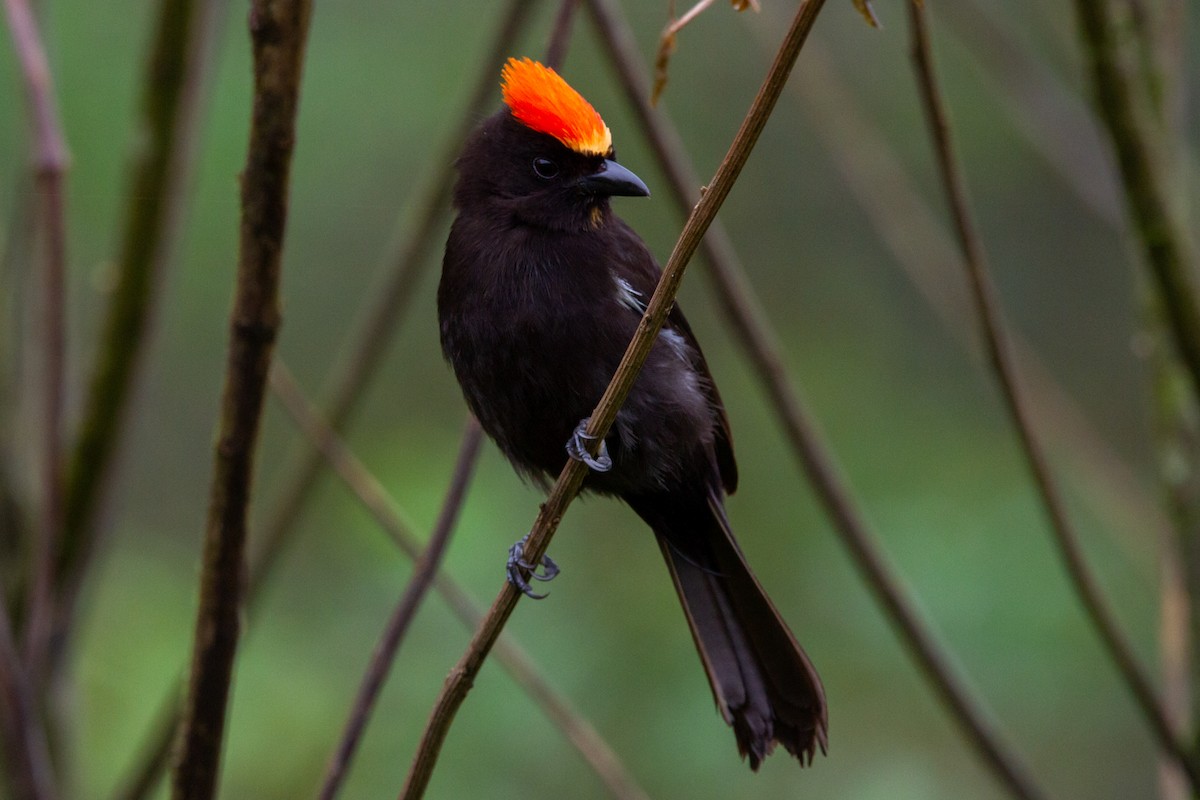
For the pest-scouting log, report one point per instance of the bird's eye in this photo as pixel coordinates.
(545, 168)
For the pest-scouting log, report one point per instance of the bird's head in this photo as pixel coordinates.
(546, 158)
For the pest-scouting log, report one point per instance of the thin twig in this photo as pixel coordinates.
(30, 774)
(595, 751)
(278, 32)
(50, 166)
(363, 354)
(1165, 244)
(754, 332)
(571, 478)
(374, 330)
(1000, 354)
(154, 199)
(397, 626)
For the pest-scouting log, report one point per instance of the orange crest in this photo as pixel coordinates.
(544, 102)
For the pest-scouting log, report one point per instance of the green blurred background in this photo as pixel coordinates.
(910, 411)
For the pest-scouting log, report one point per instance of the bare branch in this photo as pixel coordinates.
(278, 32)
(50, 166)
(1166, 247)
(30, 773)
(571, 478)
(373, 331)
(423, 571)
(754, 333)
(999, 351)
(597, 752)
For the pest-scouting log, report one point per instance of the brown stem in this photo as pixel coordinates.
(753, 331)
(389, 644)
(50, 166)
(1165, 244)
(598, 754)
(373, 331)
(278, 32)
(1000, 354)
(30, 774)
(571, 478)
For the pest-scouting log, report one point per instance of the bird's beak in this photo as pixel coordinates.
(613, 179)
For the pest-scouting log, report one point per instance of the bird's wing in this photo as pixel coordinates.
(637, 268)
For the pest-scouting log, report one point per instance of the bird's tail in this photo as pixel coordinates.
(763, 683)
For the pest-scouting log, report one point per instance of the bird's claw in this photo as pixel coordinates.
(577, 448)
(517, 566)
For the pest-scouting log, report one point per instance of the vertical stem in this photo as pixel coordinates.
(351, 375)
(50, 164)
(1156, 34)
(29, 772)
(987, 305)
(278, 32)
(1165, 244)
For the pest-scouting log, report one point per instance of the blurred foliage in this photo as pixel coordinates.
(912, 415)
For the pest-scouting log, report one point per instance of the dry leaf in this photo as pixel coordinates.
(868, 13)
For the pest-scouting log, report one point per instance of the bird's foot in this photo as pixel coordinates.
(517, 565)
(577, 448)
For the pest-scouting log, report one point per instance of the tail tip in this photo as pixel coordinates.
(756, 742)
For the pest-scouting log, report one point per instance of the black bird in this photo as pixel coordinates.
(542, 288)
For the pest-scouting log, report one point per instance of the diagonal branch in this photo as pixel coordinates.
(1000, 353)
(571, 478)
(597, 752)
(753, 331)
(278, 32)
